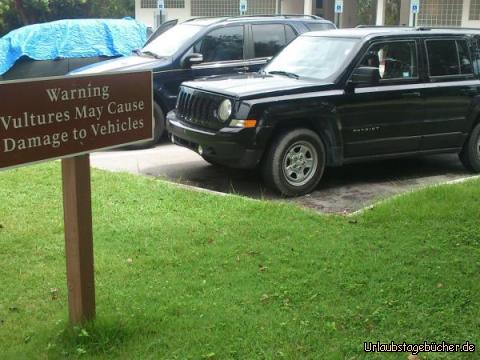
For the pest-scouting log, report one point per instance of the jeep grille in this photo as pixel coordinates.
(199, 108)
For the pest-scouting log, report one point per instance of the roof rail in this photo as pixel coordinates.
(314, 17)
(285, 16)
(382, 26)
(418, 28)
(449, 28)
(220, 18)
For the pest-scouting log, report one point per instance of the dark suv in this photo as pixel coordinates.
(337, 97)
(205, 47)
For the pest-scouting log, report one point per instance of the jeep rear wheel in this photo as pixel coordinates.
(470, 155)
(295, 162)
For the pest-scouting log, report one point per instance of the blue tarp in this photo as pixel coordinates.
(71, 39)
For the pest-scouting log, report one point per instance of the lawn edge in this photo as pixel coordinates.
(412, 191)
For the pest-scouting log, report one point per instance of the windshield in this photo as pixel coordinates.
(315, 57)
(171, 40)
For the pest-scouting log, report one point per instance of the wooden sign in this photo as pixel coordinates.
(59, 117)
(68, 118)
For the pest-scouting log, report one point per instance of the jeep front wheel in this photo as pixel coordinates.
(295, 162)
(470, 155)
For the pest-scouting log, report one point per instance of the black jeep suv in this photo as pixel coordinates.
(337, 97)
(205, 47)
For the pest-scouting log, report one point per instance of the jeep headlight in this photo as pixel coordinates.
(225, 110)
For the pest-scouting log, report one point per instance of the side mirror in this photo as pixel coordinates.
(192, 59)
(365, 75)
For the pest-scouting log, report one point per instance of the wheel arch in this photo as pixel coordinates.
(157, 99)
(325, 126)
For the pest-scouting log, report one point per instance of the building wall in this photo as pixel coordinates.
(147, 16)
(329, 10)
(348, 18)
(466, 22)
(407, 18)
(405, 13)
(292, 6)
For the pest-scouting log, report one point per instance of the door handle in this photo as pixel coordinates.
(412, 94)
(242, 69)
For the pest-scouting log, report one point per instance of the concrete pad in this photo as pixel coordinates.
(343, 190)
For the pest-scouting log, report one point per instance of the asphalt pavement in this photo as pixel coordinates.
(343, 190)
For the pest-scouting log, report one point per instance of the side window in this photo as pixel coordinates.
(394, 60)
(290, 34)
(464, 57)
(222, 44)
(445, 59)
(318, 27)
(268, 39)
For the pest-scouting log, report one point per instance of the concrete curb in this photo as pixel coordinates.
(450, 182)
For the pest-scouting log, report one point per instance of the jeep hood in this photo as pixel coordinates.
(123, 64)
(251, 86)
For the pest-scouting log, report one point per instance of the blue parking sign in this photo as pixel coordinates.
(243, 6)
(338, 6)
(415, 6)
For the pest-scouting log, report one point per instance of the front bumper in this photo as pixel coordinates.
(232, 147)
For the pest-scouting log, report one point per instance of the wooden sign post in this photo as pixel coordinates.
(77, 209)
(67, 118)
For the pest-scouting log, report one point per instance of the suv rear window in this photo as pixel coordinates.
(448, 57)
(269, 39)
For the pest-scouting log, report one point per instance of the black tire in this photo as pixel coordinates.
(470, 155)
(158, 129)
(284, 166)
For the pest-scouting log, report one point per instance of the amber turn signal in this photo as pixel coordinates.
(246, 124)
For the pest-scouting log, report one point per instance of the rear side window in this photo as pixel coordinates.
(223, 44)
(291, 35)
(464, 57)
(269, 39)
(318, 27)
(448, 57)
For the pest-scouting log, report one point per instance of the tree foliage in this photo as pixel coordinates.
(367, 11)
(17, 13)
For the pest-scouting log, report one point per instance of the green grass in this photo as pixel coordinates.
(228, 278)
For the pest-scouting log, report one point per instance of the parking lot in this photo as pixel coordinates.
(343, 190)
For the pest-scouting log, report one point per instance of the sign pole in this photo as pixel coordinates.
(77, 206)
(161, 9)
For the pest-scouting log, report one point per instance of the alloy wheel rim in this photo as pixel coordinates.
(300, 163)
